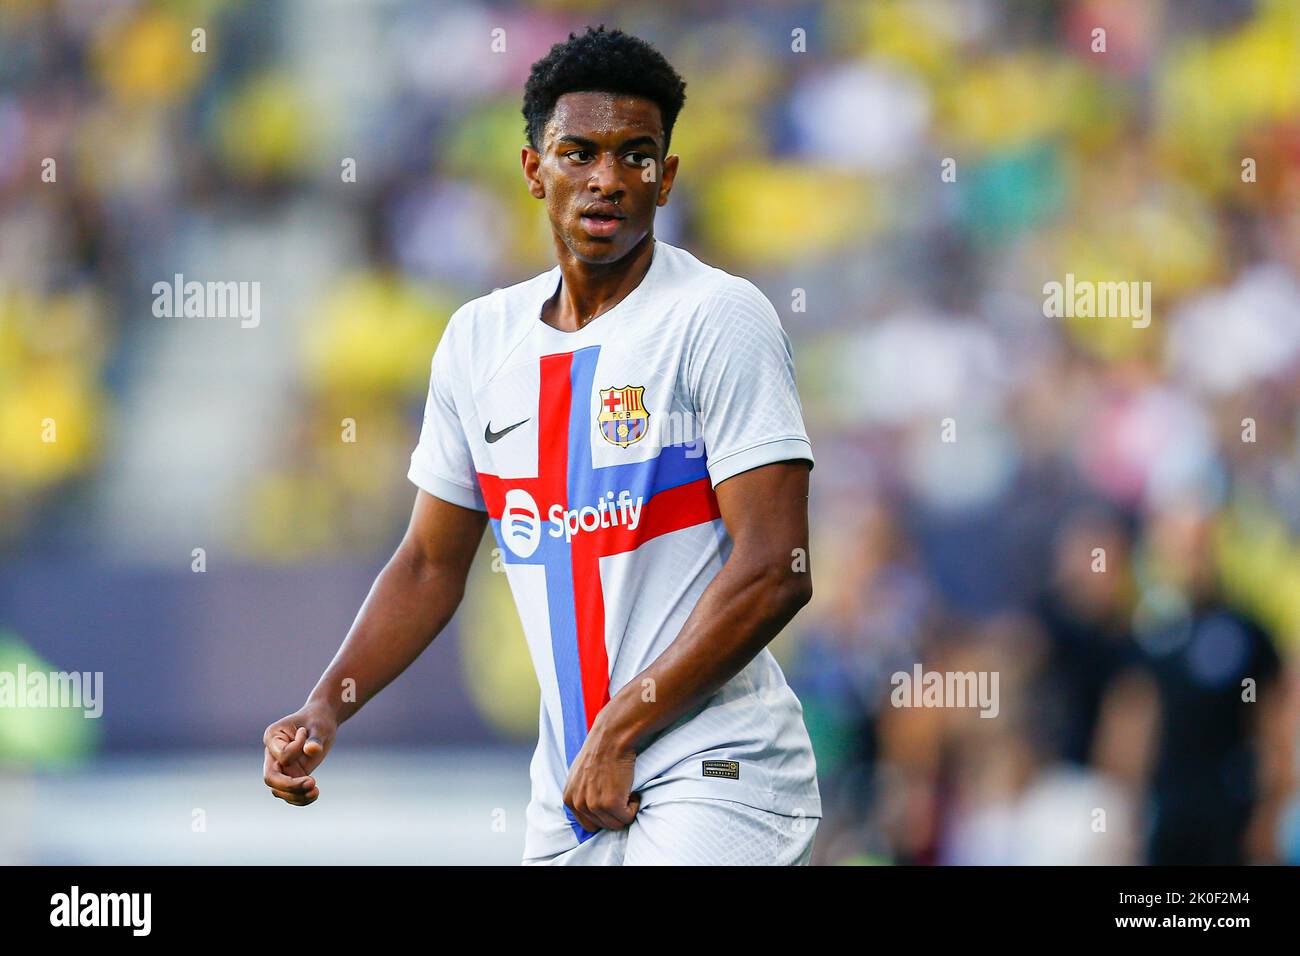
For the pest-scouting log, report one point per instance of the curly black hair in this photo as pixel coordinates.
(608, 61)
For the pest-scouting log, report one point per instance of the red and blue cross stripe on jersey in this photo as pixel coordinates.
(676, 494)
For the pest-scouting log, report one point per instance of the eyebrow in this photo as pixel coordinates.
(594, 146)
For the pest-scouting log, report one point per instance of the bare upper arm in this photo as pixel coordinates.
(443, 535)
(766, 511)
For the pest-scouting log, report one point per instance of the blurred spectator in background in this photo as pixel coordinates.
(870, 628)
(1086, 611)
(1221, 767)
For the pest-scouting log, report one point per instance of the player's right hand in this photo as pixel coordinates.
(295, 746)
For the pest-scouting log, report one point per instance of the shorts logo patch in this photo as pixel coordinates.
(722, 768)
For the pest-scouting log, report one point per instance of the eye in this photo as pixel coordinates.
(640, 158)
(575, 154)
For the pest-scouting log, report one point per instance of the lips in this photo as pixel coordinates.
(602, 219)
(606, 209)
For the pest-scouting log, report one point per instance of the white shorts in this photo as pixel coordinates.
(696, 831)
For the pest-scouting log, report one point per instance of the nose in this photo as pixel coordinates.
(605, 182)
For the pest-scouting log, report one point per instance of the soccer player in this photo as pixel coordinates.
(628, 424)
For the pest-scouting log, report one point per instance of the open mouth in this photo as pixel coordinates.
(601, 225)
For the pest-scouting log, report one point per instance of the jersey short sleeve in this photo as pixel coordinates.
(441, 463)
(740, 374)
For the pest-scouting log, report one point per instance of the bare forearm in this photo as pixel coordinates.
(1275, 771)
(409, 604)
(743, 608)
(762, 585)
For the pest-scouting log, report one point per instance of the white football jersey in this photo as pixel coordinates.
(595, 454)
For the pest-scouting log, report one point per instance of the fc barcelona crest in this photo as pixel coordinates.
(623, 416)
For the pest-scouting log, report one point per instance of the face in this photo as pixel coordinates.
(602, 172)
(1183, 546)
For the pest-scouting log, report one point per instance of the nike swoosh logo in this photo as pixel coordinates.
(490, 436)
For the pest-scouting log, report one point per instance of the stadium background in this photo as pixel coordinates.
(816, 171)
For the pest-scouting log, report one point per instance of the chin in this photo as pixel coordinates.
(598, 251)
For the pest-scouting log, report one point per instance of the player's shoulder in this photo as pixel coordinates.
(492, 322)
(504, 303)
(716, 292)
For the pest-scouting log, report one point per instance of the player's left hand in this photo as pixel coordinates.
(600, 783)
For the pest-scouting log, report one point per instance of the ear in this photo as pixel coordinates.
(666, 184)
(531, 161)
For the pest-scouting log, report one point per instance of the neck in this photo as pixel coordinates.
(591, 289)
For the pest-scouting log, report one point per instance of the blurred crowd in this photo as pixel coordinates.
(1106, 515)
